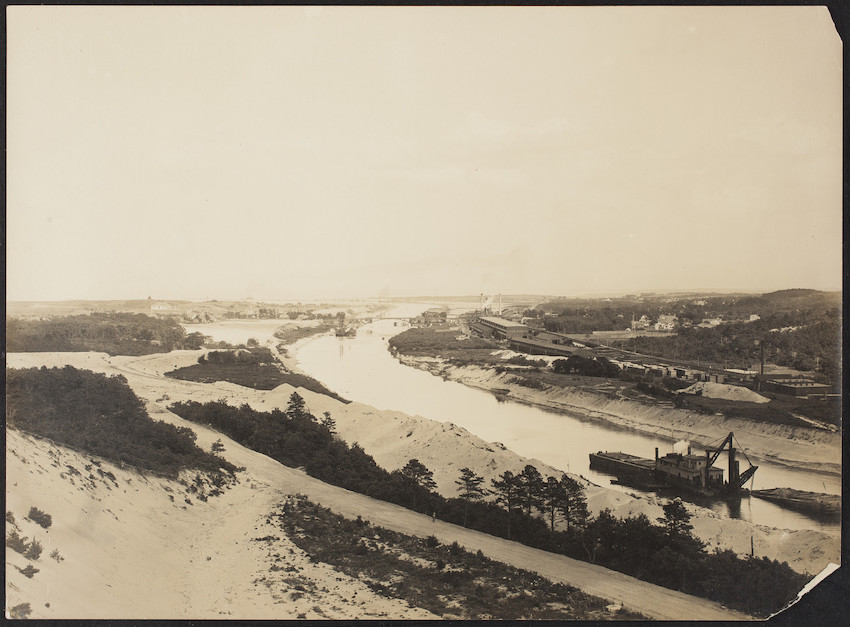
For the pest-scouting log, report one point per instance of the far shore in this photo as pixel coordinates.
(794, 447)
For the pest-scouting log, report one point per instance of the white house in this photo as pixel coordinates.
(666, 322)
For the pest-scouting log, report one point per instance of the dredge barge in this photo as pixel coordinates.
(800, 500)
(692, 473)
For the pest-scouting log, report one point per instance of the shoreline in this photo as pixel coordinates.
(780, 450)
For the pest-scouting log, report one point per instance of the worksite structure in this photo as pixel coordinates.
(498, 328)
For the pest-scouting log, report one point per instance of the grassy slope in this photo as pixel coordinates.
(446, 580)
(256, 376)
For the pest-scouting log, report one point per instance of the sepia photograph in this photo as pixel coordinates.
(335, 313)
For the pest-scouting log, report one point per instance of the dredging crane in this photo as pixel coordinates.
(689, 472)
(736, 479)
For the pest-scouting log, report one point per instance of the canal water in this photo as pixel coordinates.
(362, 369)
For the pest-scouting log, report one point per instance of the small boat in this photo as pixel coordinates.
(501, 391)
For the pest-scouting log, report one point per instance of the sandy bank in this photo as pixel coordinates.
(135, 548)
(799, 447)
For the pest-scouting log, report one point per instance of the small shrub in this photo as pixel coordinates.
(39, 517)
(217, 446)
(55, 555)
(29, 571)
(440, 564)
(360, 549)
(16, 542)
(10, 518)
(34, 550)
(20, 612)
(431, 541)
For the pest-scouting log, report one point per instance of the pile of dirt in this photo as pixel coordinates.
(723, 391)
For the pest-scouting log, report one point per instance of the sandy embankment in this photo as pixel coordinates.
(129, 551)
(393, 438)
(799, 447)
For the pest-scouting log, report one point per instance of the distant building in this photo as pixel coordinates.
(708, 323)
(642, 323)
(497, 328)
(666, 322)
(710, 376)
(739, 375)
(534, 346)
(799, 386)
(551, 337)
(161, 307)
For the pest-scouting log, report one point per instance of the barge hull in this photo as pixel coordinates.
(623, 464)
(811, 502)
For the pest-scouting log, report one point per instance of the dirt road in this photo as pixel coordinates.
(273, 481)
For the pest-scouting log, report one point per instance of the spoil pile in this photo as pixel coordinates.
(723, 391)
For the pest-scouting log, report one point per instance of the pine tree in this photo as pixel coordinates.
(554, 499)
(469, 486)
(507, 491)
(575, 505)
(296, 405)
(329, 423)
(420, 475)
(530, 484)
(676, 519)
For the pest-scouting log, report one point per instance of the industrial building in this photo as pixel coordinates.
(497, 328)
(790, 385)
(534, 346)
(536, 342)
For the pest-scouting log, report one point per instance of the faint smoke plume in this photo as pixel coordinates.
(681, 447)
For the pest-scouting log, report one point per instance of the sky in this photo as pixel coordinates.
(304, 152)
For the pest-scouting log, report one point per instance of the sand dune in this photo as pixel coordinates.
(134, 548)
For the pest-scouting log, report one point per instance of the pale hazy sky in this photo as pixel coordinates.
(308, 152)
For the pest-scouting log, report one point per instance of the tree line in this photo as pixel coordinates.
(574, 315)
(253, 355)
(547, 513)
(586, 366)
(812, 345)
(101, 415)
(112, 333)
(810, 340)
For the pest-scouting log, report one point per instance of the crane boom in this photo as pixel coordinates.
(745, 476)
(735, 479)
(716, 451)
